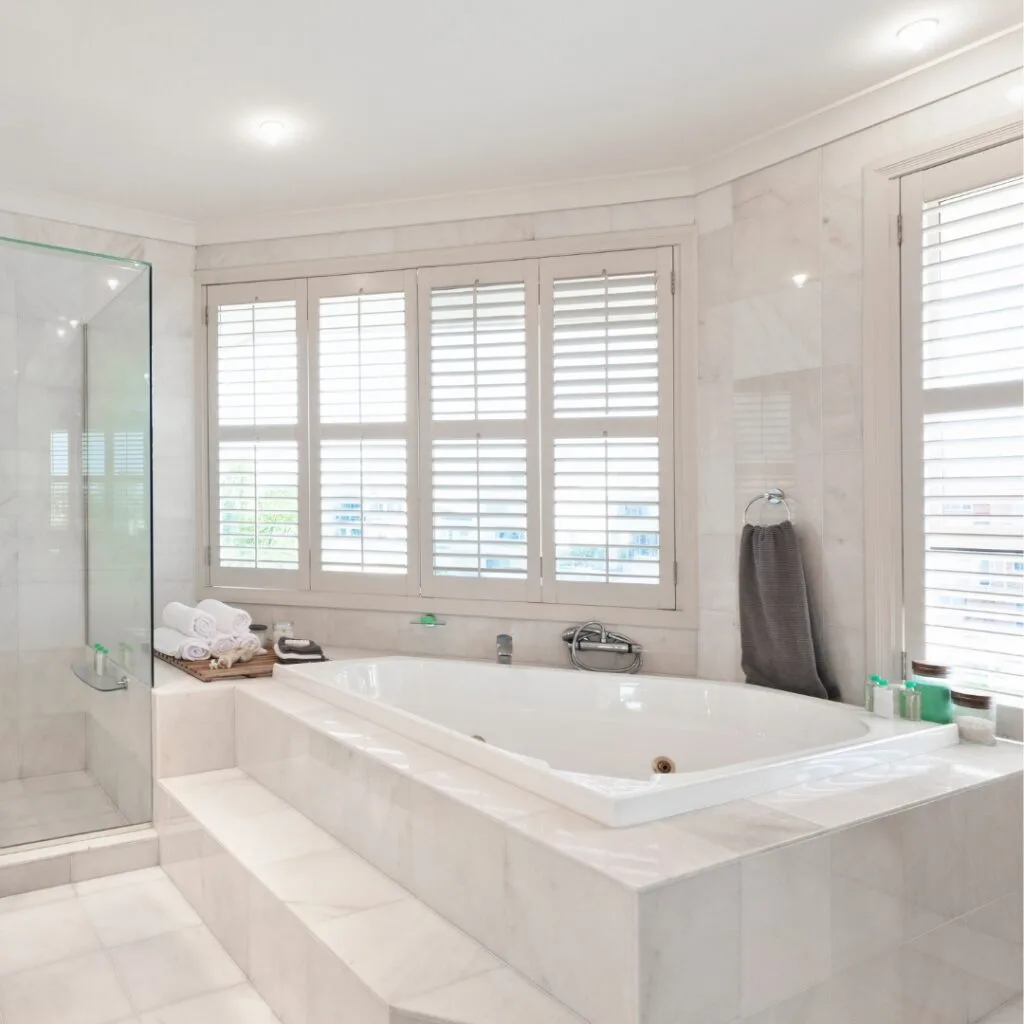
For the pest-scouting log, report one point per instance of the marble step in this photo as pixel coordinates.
(325, 937)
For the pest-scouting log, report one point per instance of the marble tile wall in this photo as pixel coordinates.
(45, 727)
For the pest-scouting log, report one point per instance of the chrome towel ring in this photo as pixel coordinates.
(773, 496)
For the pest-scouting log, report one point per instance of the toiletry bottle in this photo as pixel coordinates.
(869, 693)
(932, 682)
(884, 704)
(910, 702)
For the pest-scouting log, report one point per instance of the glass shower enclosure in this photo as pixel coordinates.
(75, 543)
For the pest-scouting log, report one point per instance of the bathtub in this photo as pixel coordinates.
(590, 742)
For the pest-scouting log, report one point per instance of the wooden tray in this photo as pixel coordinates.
(261, 665)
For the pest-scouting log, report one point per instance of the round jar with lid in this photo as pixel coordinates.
(975, 716)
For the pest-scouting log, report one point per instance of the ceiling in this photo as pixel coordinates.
(150, 105)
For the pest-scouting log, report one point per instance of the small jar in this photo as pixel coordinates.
(283, 631)
(260, 632)
(975, 717)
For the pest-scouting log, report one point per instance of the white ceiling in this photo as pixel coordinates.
(147, 105)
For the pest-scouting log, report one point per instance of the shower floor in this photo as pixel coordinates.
(54, 806)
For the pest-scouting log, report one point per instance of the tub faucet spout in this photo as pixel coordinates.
(503, 648)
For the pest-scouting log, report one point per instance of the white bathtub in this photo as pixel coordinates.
(587, 741)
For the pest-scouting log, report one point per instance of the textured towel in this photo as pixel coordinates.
(779, 648)
(223, 643)
(176, 645)
(189, 621)
(248, 642)
(228, 619)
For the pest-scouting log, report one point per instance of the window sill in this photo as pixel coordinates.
(650, 617)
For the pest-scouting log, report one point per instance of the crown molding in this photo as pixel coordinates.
(981, 62)
(989, 59)
(86, 213)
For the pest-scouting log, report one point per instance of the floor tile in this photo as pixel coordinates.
(170, 968)
(43, 934)
(238, 1005)
(83, 990)
(132, 912)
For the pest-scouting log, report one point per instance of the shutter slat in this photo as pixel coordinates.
(364, 506)
(479, 508)
(362, 356)
(605, 331)
(478, 352)
(257, 364)
(258, 504)
(973, 295)
(606, 510)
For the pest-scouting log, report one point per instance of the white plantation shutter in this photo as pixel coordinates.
(478, 431)
(257, 458)
(964, 431)
(606, 355)
(362, 419)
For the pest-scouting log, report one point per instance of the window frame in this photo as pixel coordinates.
(431, 585)
(682, 240)
(336, 287)
(916, 191)
(663, 593)
(268, 291)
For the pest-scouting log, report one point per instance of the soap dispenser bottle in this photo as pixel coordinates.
(885, 704)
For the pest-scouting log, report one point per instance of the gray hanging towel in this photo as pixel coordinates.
(779, 648)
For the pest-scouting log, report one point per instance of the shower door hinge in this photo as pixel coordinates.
(672, 281)
(899, 228)
(540, 566)
(904, 666)
(207, 555)
(206, 316)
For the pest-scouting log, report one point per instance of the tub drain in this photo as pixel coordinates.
(663, 765)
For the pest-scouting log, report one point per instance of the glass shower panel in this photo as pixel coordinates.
(74, 757)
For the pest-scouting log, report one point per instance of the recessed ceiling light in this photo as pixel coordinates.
(74, 323)
(918, 34)
(271, 132)
(112, 283)
(800, 279)
(61, 332)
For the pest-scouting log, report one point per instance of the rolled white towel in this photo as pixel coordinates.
(176, 645)
(223, 643)
(190, 621)
(228, 619)
(248, 642)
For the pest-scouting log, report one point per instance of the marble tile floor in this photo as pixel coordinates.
(126, 949)
(1011, 1013)
(54, 806)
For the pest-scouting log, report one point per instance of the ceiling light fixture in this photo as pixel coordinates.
(74, 323)
(112, 283)
(61, 332)
(918, 34)
(271, 132)
(800, 280)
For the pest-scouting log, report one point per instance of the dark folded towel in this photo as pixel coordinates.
(293, 649)
(779, 646)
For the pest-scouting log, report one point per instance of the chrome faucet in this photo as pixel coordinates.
(503, 648)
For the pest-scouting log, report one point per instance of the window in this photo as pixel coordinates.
(495, 431)
(257, 463)
(963, 299)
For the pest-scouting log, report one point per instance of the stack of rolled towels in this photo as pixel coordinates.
(210, 630)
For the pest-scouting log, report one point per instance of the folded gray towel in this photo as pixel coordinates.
(779, 646)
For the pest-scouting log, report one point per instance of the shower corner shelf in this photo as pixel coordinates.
(105, 683)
